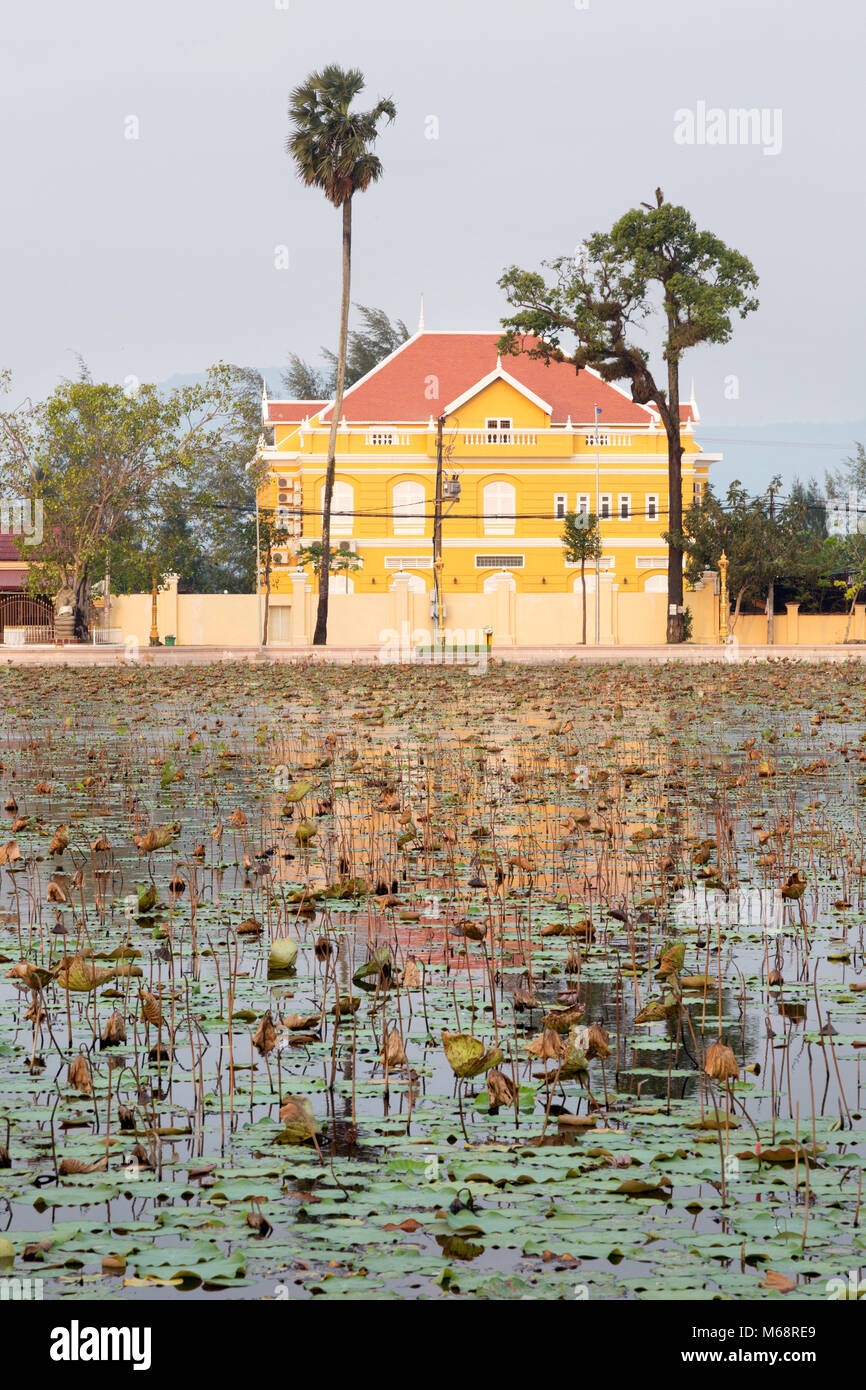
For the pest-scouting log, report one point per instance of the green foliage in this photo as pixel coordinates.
(111, 465)
(653, 263)
(341, 561)
(368, 346)
(203, 527)
(330, 144)
(580, 537)
(850, 477)
(599, 299)
(766, 542)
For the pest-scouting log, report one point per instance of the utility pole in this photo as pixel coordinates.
(598, 547)
(438, 600)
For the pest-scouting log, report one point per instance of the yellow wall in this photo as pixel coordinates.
(374, 620)
(541, 463)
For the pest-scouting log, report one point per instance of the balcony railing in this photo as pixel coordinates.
(480, 438)
(387, 439)
(608, 440)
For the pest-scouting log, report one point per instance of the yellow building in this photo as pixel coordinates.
(523, 441)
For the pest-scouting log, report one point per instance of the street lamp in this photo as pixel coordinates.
(154, 630)
(723, 597)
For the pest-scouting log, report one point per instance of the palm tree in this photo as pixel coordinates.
(331, 147)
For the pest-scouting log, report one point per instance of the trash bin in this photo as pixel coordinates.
(169, 641)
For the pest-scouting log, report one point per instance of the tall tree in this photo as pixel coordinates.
(654, 259)
(582, 542)
(764, 541)
(368, 346)
(332, 149)
(98, 456)
(849, 477)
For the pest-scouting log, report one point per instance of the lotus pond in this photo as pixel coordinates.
(417, 982)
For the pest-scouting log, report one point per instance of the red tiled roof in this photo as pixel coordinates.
(398, 390)
(687, 412)
(291, 412)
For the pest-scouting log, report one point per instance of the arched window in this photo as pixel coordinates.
(341, 584)
(407, 504)
(493, 582)
(416, 583)
(500, 505)
(656, 584)
(342, 507)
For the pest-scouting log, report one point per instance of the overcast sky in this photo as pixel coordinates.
(156, 255)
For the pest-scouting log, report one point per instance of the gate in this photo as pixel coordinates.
(24, 620)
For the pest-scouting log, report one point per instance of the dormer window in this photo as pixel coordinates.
(498, 430)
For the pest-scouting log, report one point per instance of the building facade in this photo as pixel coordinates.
(527, 445)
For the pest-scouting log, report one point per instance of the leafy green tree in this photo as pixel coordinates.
(203, 529)
(98, 456)
(341, 561)
(654, 262)
(762, 538)
(304, 382)
(332, 147)
(850, 477)
(368, 346)
(808, 500)
(582, 542)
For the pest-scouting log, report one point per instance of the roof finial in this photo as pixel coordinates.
(498, 362)
(421, 316)
(264, 402)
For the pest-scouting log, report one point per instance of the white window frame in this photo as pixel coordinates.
(652, 506)
(408, 518)
(623, 497)
(605, 506)
(341, 525)
(583, 503)
(560, 505)
(499, 522)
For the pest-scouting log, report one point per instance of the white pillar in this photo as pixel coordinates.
(300, 616)
(399, 589)
(502, 587)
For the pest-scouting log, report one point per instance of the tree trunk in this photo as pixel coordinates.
(267, 600)
(583, 591)
(771, 613)
(676, 626)
(81, 588)
(850, 616)
(735, 615)
(320, 636)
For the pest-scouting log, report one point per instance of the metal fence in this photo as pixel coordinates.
(25, 620)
